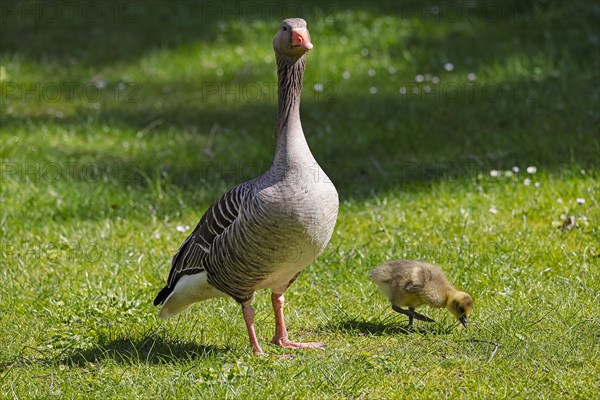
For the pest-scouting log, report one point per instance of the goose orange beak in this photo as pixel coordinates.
(300, 39)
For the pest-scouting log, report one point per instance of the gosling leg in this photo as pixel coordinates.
(412, 315)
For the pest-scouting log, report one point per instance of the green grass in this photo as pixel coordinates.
(119, 127)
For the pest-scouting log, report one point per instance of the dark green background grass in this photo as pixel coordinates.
(122, 121)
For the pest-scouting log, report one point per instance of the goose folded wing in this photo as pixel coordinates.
(189, 257)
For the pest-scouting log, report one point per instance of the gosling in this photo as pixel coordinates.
(413, 283)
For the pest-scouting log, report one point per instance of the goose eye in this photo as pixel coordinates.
(284, 28)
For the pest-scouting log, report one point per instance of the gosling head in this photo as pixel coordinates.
(460, 305)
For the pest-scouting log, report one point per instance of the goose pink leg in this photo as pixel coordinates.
(281, 335)
(248, 313)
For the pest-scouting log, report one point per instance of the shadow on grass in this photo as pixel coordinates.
(374, 327)
(146, 350)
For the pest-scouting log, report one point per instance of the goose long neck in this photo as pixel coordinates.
(288, 129)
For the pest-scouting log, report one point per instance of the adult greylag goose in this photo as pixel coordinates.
(263, 233)
(413, 283)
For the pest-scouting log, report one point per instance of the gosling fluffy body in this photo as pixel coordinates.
(410, 283)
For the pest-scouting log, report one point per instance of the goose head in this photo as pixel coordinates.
(292, 39)
(460, 305)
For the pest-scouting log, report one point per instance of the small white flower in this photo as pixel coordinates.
(318, 87)
(531, 170)
(372, 72)
(364, 52)
(420, 78)
(183, 228)
(494, 173)
(402, 90)
(100, 83)
(527, 182)
(157, 235)
(449, 67)
(346, 75)
(515, 169)
(493, 210)
(580, 200)
(427, 88)
(537, 184)
(392, 70)
(435, 79)
(471, 76)
(373, 90)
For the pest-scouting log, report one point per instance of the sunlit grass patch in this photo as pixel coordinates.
(471, 143)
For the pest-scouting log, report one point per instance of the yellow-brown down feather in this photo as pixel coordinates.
(411, 283)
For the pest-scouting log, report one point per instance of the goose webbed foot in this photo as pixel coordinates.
(286, 343)
(281, 336)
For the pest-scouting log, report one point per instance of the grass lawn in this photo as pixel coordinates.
(466, 134)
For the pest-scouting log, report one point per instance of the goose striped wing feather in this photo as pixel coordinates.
(192, 253)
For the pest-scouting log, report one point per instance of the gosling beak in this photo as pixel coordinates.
(464, 320)
(300, 39)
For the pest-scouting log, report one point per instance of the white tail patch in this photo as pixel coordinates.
(189, 289)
